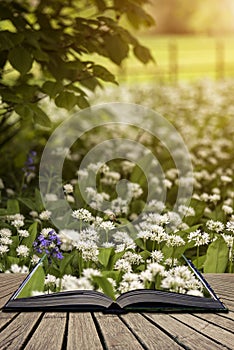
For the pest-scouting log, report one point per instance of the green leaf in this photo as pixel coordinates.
(103, 73)
(28, 203)
(38, 201)
(201, 260)
(65, 264)
(105, 285)
(104, 255)
(116, 47)
(66, 100)
(40, 117)
(52, 88)
(25, 111)
(8, 40)
(20, 59)
(142, 53)
(82, 102)
(216, 256)
(35, 283)
(28, 241)
(10, 97)
(12, 207)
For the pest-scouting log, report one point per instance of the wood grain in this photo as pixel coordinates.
(220, 335)
(49, 333)
(186, 336)
(14, 336)
(138, 325)
(116, 334)
(82, 333)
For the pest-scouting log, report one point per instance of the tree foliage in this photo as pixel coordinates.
(46, 48)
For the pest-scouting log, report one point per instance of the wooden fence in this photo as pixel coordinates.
(178, 61)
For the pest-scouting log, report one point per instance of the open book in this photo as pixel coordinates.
(140, 300)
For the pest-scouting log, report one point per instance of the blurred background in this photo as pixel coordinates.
(191, 40)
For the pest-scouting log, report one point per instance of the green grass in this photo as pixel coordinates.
(195, 57)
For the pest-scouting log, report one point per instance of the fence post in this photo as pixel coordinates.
(173, 61)
(220, 60)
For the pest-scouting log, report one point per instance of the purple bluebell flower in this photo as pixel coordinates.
(29, 166)
(49, 244)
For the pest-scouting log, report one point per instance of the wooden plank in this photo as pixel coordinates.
(229, 315)
(186, 336)
(82, 333)
(14, 336)
(49, 333)
(220, 335)
(218, 321)
(6, 317)
(116, 334)
(148, 334)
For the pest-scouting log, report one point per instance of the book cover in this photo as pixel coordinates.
(36, 293)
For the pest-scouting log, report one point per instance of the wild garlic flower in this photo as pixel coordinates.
(22, 251)
(155, 205)
(156, 269)
(69, 282)
(123, 265)
(14, 268)
(17, 223)
(5, 240)
(23, 233)
(199, 237)
(174, 241)
(45, 215)
(51, 280)
(230, 226)
(5, 232)
(130, 281)
(68, 188)
(133, 258)
(3, 249)
(82, 214)
(186, 211)
(134, 190)
(216, 226)
(157, 256)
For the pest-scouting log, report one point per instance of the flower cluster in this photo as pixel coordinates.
(49, 243)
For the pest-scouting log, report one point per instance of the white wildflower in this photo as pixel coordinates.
(5, 232)
(199, 237)
(157, 256)
(216, 226)
(68, 188)
(122, 265)
(230, 226)
(186, 211)
(82, 214)
(3, 249)
(227, 209)
(23, 233)
(22, 251)
(45, 215)
(174, 241)
(17, 223)
(5, 240)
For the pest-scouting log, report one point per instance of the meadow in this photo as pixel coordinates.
(114, 237)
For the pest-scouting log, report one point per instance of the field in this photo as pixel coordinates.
(181, 58)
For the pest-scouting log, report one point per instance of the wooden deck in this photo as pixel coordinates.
(91, 331)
